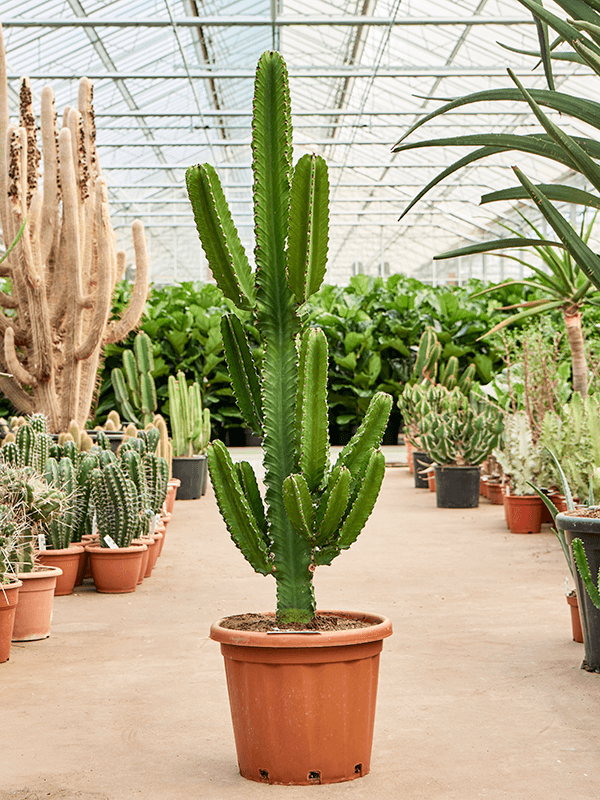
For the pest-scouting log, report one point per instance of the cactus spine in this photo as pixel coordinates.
(310, 512)
(65, 266)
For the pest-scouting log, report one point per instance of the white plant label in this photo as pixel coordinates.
(94, 524)
(41, 542)
(111, 542)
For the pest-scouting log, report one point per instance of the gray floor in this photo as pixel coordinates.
(481, 694)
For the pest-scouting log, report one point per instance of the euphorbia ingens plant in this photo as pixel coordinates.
(311, 511)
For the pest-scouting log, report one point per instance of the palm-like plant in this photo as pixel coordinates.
(312, 511)
(563, 285)
(575, 153)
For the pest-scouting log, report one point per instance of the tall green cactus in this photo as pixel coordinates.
(134, 387)
(190, 423)
(311, 511)
(117, 504)
(62, 475)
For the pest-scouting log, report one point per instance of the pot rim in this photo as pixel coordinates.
(40, 571)
(458, 466)
(15, 582)
(95, 548)
(299, 639)
(569, 522)
(76, 547)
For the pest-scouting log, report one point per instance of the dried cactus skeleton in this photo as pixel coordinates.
(64, 268)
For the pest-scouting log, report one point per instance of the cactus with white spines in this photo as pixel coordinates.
(311, 511)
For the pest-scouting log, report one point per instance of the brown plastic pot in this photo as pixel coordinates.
(115, 571)
(69, 560)
(303, 704)
(34, 609)
(154, 553)
(495, 493)
(173, 485)
(409, 455)
(9, 596)
(431, 481)
(523, 513)
(575, 618)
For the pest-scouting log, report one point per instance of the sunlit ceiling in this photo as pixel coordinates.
(173, 87)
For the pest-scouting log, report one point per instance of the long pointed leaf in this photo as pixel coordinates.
(561, 194)
(585, 258)
(495, 244)
(530, 312)
(593, 589)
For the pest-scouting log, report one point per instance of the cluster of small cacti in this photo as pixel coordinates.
(190, 423)
(462, 430)
(134, 387)
(424, 390)
(311, 511)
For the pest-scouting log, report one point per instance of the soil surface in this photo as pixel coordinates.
(593, 512)
(264, 623)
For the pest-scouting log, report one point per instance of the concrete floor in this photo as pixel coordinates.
(481, 692)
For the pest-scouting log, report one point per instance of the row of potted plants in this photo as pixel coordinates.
(64, 510)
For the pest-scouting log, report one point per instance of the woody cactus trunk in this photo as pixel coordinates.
(311, 512)
(64, 268)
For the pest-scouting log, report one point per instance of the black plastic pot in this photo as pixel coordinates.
(588, 530)
(420, 462)
(190, 472)
(457, 487)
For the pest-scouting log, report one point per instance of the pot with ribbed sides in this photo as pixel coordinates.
(9, 596)
(303, 703)
(587, 529)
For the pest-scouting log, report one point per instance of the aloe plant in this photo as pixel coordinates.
(563, 288)
(311, 511)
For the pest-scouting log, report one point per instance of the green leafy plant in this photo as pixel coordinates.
(312, 511)
(563, 288)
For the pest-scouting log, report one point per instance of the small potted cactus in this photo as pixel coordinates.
(311, 510)
(459, 433)
(9, 583)
(133, 385)
(190, 431)
(521, 461)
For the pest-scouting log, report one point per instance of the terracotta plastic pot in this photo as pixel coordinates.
(523, 512)
(69, 560)
(409, 452)
(9, 596)
(303, 704)
(431, 481)
(495, 493)
(153, 553)
(173, 485)
(575, 618)
(161, 528)
(34, 609)
(587, 529)
(457, 487)
(115, 571)
(145, 556)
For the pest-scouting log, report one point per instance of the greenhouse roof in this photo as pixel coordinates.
(173, 87)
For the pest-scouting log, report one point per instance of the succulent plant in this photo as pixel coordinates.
(134, 387)
(117, 504)
(62, 475)
(190, 423)
(461, 430)
(517, 454)
(311, 511)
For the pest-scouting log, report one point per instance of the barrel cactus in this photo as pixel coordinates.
(311, 511)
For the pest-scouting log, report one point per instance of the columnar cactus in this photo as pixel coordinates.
(134, 387)
(64, 268)
(117, 504)
(63, 476)
(31, 445)
(310, 512)
(190, 423)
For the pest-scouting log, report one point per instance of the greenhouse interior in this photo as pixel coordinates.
(282, 282)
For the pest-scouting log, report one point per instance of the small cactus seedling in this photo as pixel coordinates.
(311, 512)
